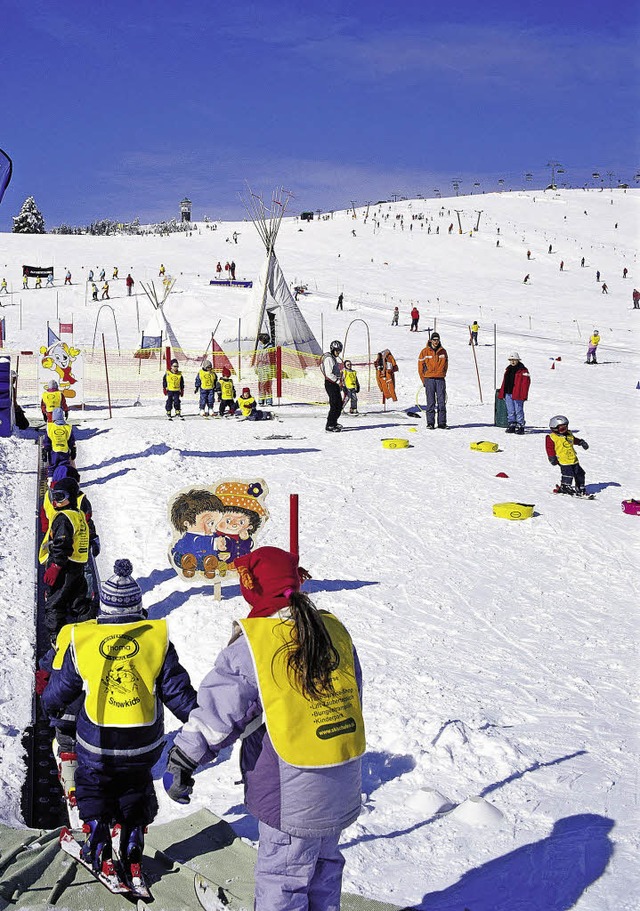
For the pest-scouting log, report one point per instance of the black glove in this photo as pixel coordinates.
(554, 460)
(177, 780)
(95, 546)
(584, 444)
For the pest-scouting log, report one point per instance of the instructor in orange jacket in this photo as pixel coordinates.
(433, 364)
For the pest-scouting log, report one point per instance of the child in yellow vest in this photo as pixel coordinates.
(59, 445)
(206, 382)
(559, 445)
(351, 387)
(249, 410)
(173, 388)
(594, 341)
(289, 685)
(227, 393)
(52, 398)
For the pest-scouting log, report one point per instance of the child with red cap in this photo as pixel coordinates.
(288, 685)
(226, 393)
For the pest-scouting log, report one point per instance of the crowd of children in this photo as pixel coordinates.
(208, 385)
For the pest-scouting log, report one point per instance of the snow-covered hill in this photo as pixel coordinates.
(500, 658)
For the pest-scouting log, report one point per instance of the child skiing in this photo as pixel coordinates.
(53, 398)
(206, 382)
(59, 444)
(249, 410)
(594, 341)
(227, 393)
(351, 387)
(125, 667)
(560, 451)
(173, 388)
(287, 668)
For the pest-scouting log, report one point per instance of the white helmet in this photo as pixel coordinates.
(558, 421)
(206, 365)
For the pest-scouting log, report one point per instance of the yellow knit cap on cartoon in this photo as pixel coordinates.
(245, 496)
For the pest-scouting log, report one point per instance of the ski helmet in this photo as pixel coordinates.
(335, 346)
(206, 365)
(558, 421)
(52, 386)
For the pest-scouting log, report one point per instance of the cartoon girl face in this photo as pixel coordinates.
(233, 523)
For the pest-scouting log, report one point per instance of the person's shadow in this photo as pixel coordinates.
(548, 875)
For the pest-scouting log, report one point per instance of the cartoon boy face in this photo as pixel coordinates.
(233, 523)
(205, 523)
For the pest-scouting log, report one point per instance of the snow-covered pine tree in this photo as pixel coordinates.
(30, 219)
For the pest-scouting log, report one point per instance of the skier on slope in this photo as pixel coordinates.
(173, 388)
(331, 366)
(125, 667)
(560, 449)
(206, 381)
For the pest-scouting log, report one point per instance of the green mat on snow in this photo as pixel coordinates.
(36, 874)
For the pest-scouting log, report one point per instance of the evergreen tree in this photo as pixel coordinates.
(30, 220)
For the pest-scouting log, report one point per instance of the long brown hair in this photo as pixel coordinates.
(312, 656)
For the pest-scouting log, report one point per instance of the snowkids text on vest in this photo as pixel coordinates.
(123, 668)
(288, 686)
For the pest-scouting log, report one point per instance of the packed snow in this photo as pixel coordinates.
(500, 657)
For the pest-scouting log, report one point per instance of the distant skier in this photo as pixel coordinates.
(562, 265)
(67, 278)
(594, 341)
(218, 269)
(105, 291)
(605, 288)
(528, 254)
(161, 271)
(395, 317)
(115, 273)
(473, 338)
(232, 269)
(582, 262)
(3, 286)
(340, 301)
(25, 281)
(636, 299)
(415, 319)
(129, 282)
(625, 272)
(560, 449)
(598, 275)
(550, 248)
(351, 387)
(94, 291)
(526, 278)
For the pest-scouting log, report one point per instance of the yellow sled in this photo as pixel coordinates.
(513, 511)
(484, 446)
(395, 443)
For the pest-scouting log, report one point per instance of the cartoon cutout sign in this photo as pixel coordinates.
(214, 525)
(59, 357)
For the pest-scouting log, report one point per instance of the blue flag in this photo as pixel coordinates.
(151, 341)
(6, 169)
(52, 338)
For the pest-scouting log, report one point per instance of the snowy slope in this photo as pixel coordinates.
(499, 657)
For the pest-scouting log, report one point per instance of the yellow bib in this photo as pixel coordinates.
(246, 405)
(63, 641)
(119, 665)
(564, 448)
(59, 435)
(226, 390)
(173, 381)
(78, 519)
(307, 733)
(350, 379)
(207, 379)
(52, 400)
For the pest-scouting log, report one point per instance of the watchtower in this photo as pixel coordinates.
(185, 210)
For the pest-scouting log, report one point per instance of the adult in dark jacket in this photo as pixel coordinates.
(331, 367)
(515, 391)
(65, 550)
(127, 669)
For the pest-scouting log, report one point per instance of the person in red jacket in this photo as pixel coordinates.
(415, 317)
(515, 391)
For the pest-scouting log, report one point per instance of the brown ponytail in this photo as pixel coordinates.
(312, 656)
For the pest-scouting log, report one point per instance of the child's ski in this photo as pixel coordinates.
(131, 874)
(210, 896)
(67, 764)
(108, 876)
(570, 492)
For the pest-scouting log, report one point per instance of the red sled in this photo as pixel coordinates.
(631, 507)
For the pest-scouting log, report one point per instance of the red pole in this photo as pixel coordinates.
(293, 524)
(106, 370)
(167, 356)
(279, 372)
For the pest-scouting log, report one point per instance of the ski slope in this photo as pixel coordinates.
(500, 658)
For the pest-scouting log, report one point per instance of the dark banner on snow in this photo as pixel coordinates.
(37, 271)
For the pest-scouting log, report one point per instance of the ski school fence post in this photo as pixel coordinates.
(106, 370)
(475, 360)
(293, 524)
(279, 373)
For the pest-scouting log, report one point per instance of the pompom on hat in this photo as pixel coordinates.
(268, 578)
(120, 594)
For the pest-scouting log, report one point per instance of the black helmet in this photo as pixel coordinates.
(65, 489)
(335, 346)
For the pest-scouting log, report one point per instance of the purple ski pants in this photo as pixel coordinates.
(297, 874)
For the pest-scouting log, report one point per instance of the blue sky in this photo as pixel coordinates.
(114, 109)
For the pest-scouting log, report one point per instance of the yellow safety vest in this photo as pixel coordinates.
(119, 665)
(226, 389)
(246, 405)
(52, 400)
(308, 733)
(49, 509)
(474, 327)
(207, 379)
(595, 340)
(173, 381)
(59, 435)
(80, 553)
(564, 448)
(350, 379)
(63, 640)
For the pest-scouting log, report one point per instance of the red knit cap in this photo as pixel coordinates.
(268, 576)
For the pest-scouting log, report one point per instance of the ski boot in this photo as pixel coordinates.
(511, 428)
(519, 429)
(96, 850)
(67, 763)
